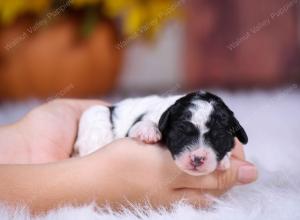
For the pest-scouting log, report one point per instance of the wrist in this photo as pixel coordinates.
(14, 145)
(47, 186)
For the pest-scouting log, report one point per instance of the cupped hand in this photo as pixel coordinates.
(135, 171)
(123, 172)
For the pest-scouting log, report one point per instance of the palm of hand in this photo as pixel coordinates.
(50, 129)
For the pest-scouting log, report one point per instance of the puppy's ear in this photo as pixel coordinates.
(238, 131)
(164, 120)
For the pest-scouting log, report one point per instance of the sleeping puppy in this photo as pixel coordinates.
(197, 128)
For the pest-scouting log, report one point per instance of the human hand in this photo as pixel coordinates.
(134, 171)
(121, 172)
(45, 134)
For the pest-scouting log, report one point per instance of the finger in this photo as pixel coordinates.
(240, 172)
(238, 150)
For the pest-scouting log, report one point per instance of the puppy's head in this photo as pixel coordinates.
(199, 130)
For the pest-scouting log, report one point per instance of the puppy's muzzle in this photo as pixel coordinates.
(197, 161)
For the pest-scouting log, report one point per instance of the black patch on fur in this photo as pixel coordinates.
(176, 128)
(178, 132)
(223, 127)
(139, 118)
(226, 117)
(111, 116)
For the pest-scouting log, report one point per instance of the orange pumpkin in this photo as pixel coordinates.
(53, 61)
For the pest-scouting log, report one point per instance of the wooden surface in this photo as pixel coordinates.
(242, 43)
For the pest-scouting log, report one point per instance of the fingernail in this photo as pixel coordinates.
(247, 174)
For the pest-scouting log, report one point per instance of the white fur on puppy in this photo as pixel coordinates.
(95, 130)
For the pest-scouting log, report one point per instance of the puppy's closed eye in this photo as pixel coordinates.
(187, 128)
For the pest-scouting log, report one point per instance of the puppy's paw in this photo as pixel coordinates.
(146, 131)
(224, 164)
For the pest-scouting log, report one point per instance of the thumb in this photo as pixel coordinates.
(247, 173)
(240, 172)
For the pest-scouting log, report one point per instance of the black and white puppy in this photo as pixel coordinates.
(197, 128)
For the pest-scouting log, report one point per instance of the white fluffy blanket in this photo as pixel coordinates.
(272, 121)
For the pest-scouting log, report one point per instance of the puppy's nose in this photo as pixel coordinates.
(198, 161)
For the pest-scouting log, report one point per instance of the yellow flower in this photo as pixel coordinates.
(137, 16)
(142, 17)
(81, 3)
(11, 9)
(117, 7)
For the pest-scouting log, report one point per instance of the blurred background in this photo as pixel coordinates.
(246, 51)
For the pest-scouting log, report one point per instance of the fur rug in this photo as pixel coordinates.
(272, 121)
